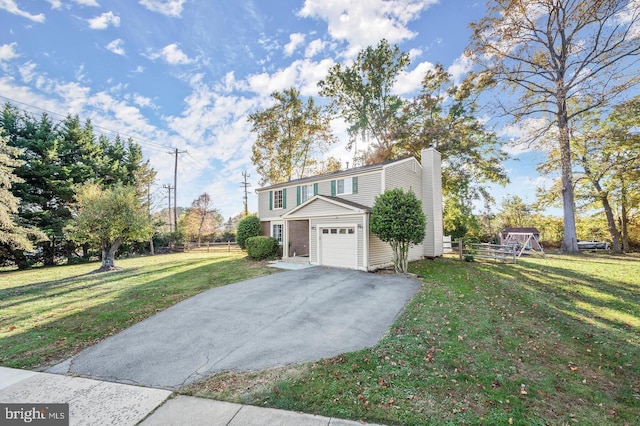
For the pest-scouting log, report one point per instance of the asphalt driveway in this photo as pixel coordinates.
(279, 319)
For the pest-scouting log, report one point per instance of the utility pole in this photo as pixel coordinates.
(245, 184)
(169, 188)
(175, 186)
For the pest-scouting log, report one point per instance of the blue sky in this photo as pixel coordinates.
(186, 73)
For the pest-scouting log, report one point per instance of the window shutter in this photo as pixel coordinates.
(270, 200)
(333, 188)
(298, 189)
(354, 185)
(315, 189)
(284, 198)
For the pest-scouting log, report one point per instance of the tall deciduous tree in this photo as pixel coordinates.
(202, 218)
(108, 217)
(291, 137)
(562, 58)
(443, 116)
(397, 218)
(362, 94)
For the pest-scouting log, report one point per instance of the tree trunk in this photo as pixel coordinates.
(611, 223)
(624, 220)
(48, 253)
(569, 240)
(109, 254)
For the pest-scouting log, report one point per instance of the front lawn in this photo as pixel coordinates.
(49, 314)
(547, 341)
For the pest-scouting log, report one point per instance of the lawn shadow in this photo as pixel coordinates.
(57, 339)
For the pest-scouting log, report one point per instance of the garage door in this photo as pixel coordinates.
(338, 247)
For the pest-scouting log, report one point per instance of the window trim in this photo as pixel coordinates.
(273, 233)
(347, 185)
(310, 189)
(280, 205)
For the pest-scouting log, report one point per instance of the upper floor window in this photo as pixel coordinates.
(344, 186)
(306, 192)
(278, 199)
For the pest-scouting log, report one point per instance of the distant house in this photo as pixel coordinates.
(324, 219)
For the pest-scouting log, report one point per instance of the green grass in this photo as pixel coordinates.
(547, 341)
(49, 314)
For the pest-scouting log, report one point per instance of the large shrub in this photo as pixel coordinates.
(247, 228)
(397, 218)
(262, 247)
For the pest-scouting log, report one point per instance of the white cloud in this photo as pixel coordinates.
(103, 21)
(27, 72)
(55, 4)
(8, 52)
(315, 47)
(460, 67)
(172, 54)
(166, 7)
(116, 46)
(303, 74)
(410, 81)
(92, 3)
(11, 7)
(362, 24)
(295, 40)
(526, 136)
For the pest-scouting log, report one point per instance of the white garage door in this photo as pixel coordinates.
(338, 247)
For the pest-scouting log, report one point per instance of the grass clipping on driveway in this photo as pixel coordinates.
(49, 314)
(547, 341)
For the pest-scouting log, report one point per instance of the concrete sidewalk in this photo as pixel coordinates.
(93, 402)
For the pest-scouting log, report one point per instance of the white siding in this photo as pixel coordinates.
(381, 254)
(404, 174)
(368, 189)
(319, 207)
(432, 201)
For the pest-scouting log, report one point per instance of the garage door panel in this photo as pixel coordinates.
(338, 247)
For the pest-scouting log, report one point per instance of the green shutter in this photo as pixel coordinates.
(315, 189)
(298, 189)
(284, 198)
(270, 200)
(333, 188)
(354, 185)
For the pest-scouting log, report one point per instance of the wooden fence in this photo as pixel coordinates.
(499, 253)
(207, 247)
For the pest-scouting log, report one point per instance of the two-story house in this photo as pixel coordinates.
(325, 219)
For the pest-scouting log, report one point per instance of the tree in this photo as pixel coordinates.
(515, 213)
(108, 217)
(362, 94)
(201, 219)
(606, 165)
(443, 116)
(13, 237)
(57, 158)
(291, 137)
(563, 58)
(248, 227)
(397, 218)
